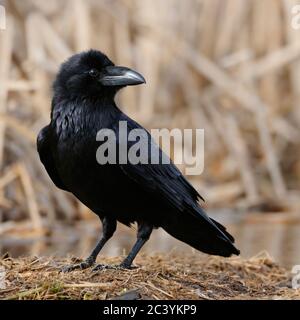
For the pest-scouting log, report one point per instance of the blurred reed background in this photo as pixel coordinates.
(231, 67)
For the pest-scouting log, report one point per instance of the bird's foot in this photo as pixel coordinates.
(121, 266)
(100, 266)
(79, 266)
(126, 266)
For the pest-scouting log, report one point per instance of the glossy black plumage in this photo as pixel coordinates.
(153, 195)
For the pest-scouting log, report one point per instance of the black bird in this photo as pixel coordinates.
(152, 195)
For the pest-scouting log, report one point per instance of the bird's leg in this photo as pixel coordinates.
(109, 227)
(143, 234)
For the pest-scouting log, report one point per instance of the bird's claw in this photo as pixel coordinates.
(78, 266)
(121, 266)
(127, 266)
(101, 267)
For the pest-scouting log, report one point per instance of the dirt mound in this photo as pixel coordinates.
(157, 277)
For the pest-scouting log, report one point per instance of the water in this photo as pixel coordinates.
(278, 236)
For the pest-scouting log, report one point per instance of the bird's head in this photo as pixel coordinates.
(93, 74)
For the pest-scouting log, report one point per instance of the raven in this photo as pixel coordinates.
(151, 195)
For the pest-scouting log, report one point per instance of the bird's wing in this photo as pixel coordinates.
(167, 182)
(44, 150)
(163, 179)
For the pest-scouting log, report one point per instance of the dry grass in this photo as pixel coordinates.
(228, 66)
(157, 277)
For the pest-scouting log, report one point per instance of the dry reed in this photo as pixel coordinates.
(228, 66)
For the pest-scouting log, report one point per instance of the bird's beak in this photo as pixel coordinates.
(120, 76)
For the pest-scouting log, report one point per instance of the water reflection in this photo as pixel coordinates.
(281, 240)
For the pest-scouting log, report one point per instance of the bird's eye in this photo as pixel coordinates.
(93, 72)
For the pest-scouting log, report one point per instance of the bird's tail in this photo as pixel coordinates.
(201, 232)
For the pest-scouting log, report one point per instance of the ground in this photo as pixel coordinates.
(156, 277)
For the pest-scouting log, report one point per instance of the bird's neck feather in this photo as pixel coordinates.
(71, 114)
